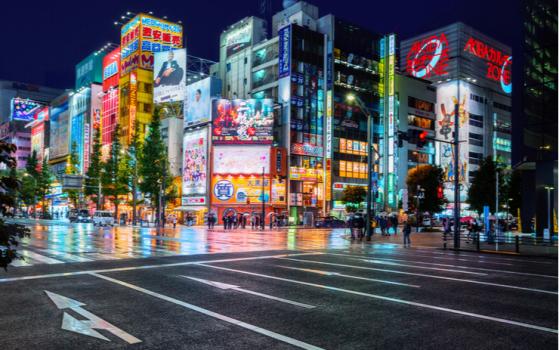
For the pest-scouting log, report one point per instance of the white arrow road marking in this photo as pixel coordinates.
(425, 275)
(330, 273)
(226, 286)
(86, 327)
(206, 312)
(394, 300)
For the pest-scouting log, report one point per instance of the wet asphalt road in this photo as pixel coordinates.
(193, 289)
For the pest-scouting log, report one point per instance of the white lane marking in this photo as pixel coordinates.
(382, 262)
(221, 317)
(143, 267)
(331, 273)
(391, 253)
(93, 322)
(102, 256)
(425, 275)
(20, 263)
(40, 258)
(66, 256)
(459, 267)
(395, 300)
(226, 286)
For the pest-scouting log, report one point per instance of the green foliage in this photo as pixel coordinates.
(512, 190)
(153, 165)
(28, 190)
(9, 233)
(352, 197)
(111, 175)
(93, 174)
(32, 166)
(44, 183)
(429, 178)
(73, 168)
(482, 189)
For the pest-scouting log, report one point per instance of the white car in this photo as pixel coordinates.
(103, 218)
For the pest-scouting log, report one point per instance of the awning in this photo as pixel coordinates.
(190, 208)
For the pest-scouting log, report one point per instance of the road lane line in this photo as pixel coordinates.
(40, 258)
(395, 300)
(331, 273)
(20, 263)
(226, 286)
(66, 256)
(213, 314)
(456, 266)
(425, 275)
(376, 253)
(144, 267)
(381, 262)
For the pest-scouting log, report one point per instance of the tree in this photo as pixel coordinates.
(512, 191)
(352, 197)
(32, 166)
(429, 178)
(93, 174)
(44, 183)
(482, 189)
(73, 168)
(134, 150)
(28, 190)
(153, 163)
(111, 176)
(10, 234)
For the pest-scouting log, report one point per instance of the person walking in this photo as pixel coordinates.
(406, 232)
(224, 218)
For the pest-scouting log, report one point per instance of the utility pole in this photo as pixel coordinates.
(162, 195)
(457, 171)
(497, 211)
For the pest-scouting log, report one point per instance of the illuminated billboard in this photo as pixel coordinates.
(144, 35)
(59, 130)
(241, 160)
(499, 64)
(23, 109)
(446, 100)
(243, 121)
(238, 189)
(111, 67)
(89, 70)
(238, 39)
(195, 164)
(198, 102)
(169, 76)
(428, 57)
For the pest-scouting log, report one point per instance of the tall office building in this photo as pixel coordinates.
(539, 118)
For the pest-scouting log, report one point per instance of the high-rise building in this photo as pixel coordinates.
(140, 38)
(472, 70)
(539, 115)
(109, 109)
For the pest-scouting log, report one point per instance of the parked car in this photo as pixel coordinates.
(81, 215)
(427, 222)
(329, 222)
(103, 218)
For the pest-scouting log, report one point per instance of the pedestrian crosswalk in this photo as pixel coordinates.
(41, 256)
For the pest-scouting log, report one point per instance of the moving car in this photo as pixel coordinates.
(81, 215)
(329, 222)
(103, 218)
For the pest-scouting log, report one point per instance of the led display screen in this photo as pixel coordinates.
(195, 163)
(241, 160)
(24, 109)
(243, 121)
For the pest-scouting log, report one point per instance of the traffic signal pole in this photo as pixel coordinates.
(457, 172)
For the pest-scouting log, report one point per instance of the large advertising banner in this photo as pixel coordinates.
(238, 39)
(195, 165)
(23, 109)
(447, 97)
(284, 66)
(89, 70)
(241, 160)
(59, 125)
(111, 67)
(243, 121)
(198, 103)
(169, 76)
(239, 189)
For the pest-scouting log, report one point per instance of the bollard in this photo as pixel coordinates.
(517, 243)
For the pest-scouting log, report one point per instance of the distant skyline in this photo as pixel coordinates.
(43, 41)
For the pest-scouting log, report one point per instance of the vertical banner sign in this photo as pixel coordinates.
(133, 98)
(284, 51)
(392, 122)
(329, 138)
(86, 142)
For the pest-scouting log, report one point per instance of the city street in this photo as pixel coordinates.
(297, 288)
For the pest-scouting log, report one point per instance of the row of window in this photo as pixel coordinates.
(354, 170)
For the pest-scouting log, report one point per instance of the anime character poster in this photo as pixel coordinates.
(195, 163)
(243, 121)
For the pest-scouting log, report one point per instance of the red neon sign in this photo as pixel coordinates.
(498, 63)
(428, 57)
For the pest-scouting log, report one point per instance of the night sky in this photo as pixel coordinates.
(43, 40)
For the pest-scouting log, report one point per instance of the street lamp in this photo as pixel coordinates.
(370, 150)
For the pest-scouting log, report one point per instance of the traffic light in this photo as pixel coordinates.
(440, 192)
(401, 138)
(421, 139)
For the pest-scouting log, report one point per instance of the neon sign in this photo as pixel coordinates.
(428, 57)
(498, 63)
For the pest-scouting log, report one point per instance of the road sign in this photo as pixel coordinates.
(226, 286)
(86, 327)
(72, 182)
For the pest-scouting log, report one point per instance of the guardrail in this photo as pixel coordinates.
(504, 242)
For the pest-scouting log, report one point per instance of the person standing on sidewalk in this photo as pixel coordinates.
(406, 231)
